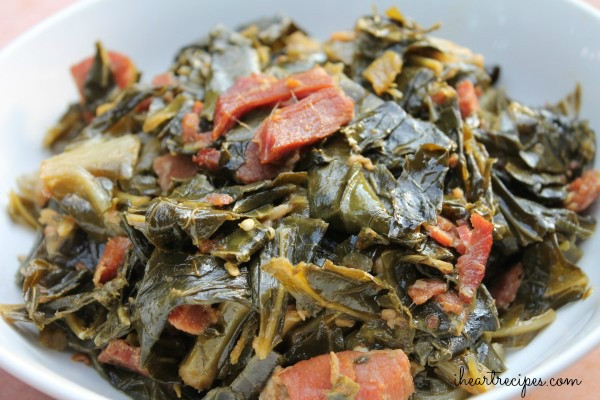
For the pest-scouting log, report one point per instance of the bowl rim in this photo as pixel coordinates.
(53, 384)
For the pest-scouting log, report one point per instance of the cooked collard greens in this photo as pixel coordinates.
(277, 217)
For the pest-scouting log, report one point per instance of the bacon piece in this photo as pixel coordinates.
(468, 103)
(464, 236)
(189, 127)
(191, 133)
(208, 159)
(122, 67)
(424, 289)
(582, 192)
(449, 235)
(198, 107)
(450, 302)
(439, 97)
(311, 119)
(112, 258)
(121, 354)
(164, 79)
(218, 199)
(171, 166)
(506, 288)
(144, 105)
(193, 319)
(471, 265)
(380, 374)
(441, 236)
(252, 170)
(257, 90)
(205, 246)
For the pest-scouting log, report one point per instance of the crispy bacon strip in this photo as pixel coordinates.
(171, 166)
(449, 235)
(468, 103)
(507, 286)
(164, 79)
(424, 289)
(123, 68)
(193, 319)
(464, 236)
(121, 354)
(471, 265)
(218, 199)
(450, 302)
(382, 374)
(191, 133)
(311, 119)
(252, 170)
(112, 258)
(441, 236)
(257, 90)
(208, 159)
(583, 191)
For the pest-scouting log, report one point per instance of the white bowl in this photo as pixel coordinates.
(544, 47)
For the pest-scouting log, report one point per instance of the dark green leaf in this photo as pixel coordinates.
(174, 279)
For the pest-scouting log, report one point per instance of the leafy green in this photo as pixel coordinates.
(336, 288)
(202, 364)
(295, 239)
(176, 278)
(249, 382)
(327, 255)
(419, 191)
(390, 130)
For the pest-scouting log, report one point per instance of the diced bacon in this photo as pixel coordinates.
(201, 140)
(189, 127)
(171, 166)
(424, 289)
(190, 131)
(445, 223)
(453, 161)
(144, 105)
(468, 103)
(207, 245)
(447, 234)
(471, 265)
(218, 199)
(124, 71)
(164, 79)
(123, 68)
(112, 258)
(198, 107)
(193, 319)
(464, 236)
(380, 374)
(444, 238)
(583, 191)
(121, 354)
(439, 97)
(208, 159)
(507, 286)
(303, 123)
(257, 90)
(450, 302)
(253, 170)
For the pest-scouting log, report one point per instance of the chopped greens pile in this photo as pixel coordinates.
(286, 218)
